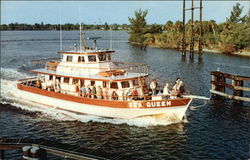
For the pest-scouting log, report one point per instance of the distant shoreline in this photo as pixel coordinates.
(238, 53)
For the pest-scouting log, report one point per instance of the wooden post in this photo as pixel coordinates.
(183, 32)
(200, 34)
(237, 83)
(192, 32)
(2, 155)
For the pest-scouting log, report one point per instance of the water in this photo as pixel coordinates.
(210, 130)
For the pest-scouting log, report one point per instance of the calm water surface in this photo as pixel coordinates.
(211, 130)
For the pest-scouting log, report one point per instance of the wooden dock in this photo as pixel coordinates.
(220, 86)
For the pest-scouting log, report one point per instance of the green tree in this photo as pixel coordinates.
(138, 26)
(106, 26)
(235, 14)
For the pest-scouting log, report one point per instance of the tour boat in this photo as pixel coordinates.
(61, 82)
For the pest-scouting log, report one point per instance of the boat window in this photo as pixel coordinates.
(75, 81)
(92, 58)
(125, 84)
(92, 83)
(108, 57)
(102, 57)
(135, 82)
(66, 80)
(69, 58)
(114, 85)
(82, 82)
(81, 59)
(50, 77)
(58, 79)
(104, 84)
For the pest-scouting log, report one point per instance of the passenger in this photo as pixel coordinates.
(88, 90)
(93, 91)
(178, 87)
(114, 95)
(153, 86)
(38, 83)
(84, 91)
(105, 93)
(99, 92)
(135, 94)
(57, 86)
(129, 94)
(166, 91)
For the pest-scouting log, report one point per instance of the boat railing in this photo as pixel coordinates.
(45, 60)
(132, 67)
(32, 82)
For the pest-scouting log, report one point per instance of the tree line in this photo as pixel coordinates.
(227, 37)
(67, 26)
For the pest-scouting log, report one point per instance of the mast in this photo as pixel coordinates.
(80, 36)
(111, 36)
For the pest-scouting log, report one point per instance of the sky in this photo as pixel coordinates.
(99, 12)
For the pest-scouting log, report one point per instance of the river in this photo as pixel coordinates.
(210, 130)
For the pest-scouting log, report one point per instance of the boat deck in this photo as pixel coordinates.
(128, 75)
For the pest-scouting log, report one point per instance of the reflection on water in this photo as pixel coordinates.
(211, 130)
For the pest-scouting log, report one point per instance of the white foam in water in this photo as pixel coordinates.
(9, 95)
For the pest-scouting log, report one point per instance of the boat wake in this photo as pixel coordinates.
(9, 95)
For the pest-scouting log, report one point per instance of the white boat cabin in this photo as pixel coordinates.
(92, 67)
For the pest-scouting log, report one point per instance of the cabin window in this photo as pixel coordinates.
(102, 57)
(75, 81)
(69, 58)
(82, 82)
(50, 77)
(81, 59)
(104, 84)
(58, 79)
(92, 83)
(125, 84)
(92, 58)
(66, 80)
(135, 82)
(108, 57)
(114, 85)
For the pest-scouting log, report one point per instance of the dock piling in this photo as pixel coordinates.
(219, 86)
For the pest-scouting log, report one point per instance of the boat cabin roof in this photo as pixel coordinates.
(88, 51)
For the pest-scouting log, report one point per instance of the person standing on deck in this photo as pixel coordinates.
(93, 92)
(99, 92)
(105, 93)
(166, 91)
(153, 86)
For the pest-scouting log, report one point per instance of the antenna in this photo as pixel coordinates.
(111, 36)
(61, 30)
(80, 36)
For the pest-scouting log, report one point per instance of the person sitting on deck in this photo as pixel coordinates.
(166, 91)
(135, 94)
(105, 93)
(93, 91)
(114, 95)
(129, 93)
(84, 91)
(99, 92)
(153, 86)
(88, 91)
(38, 83)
